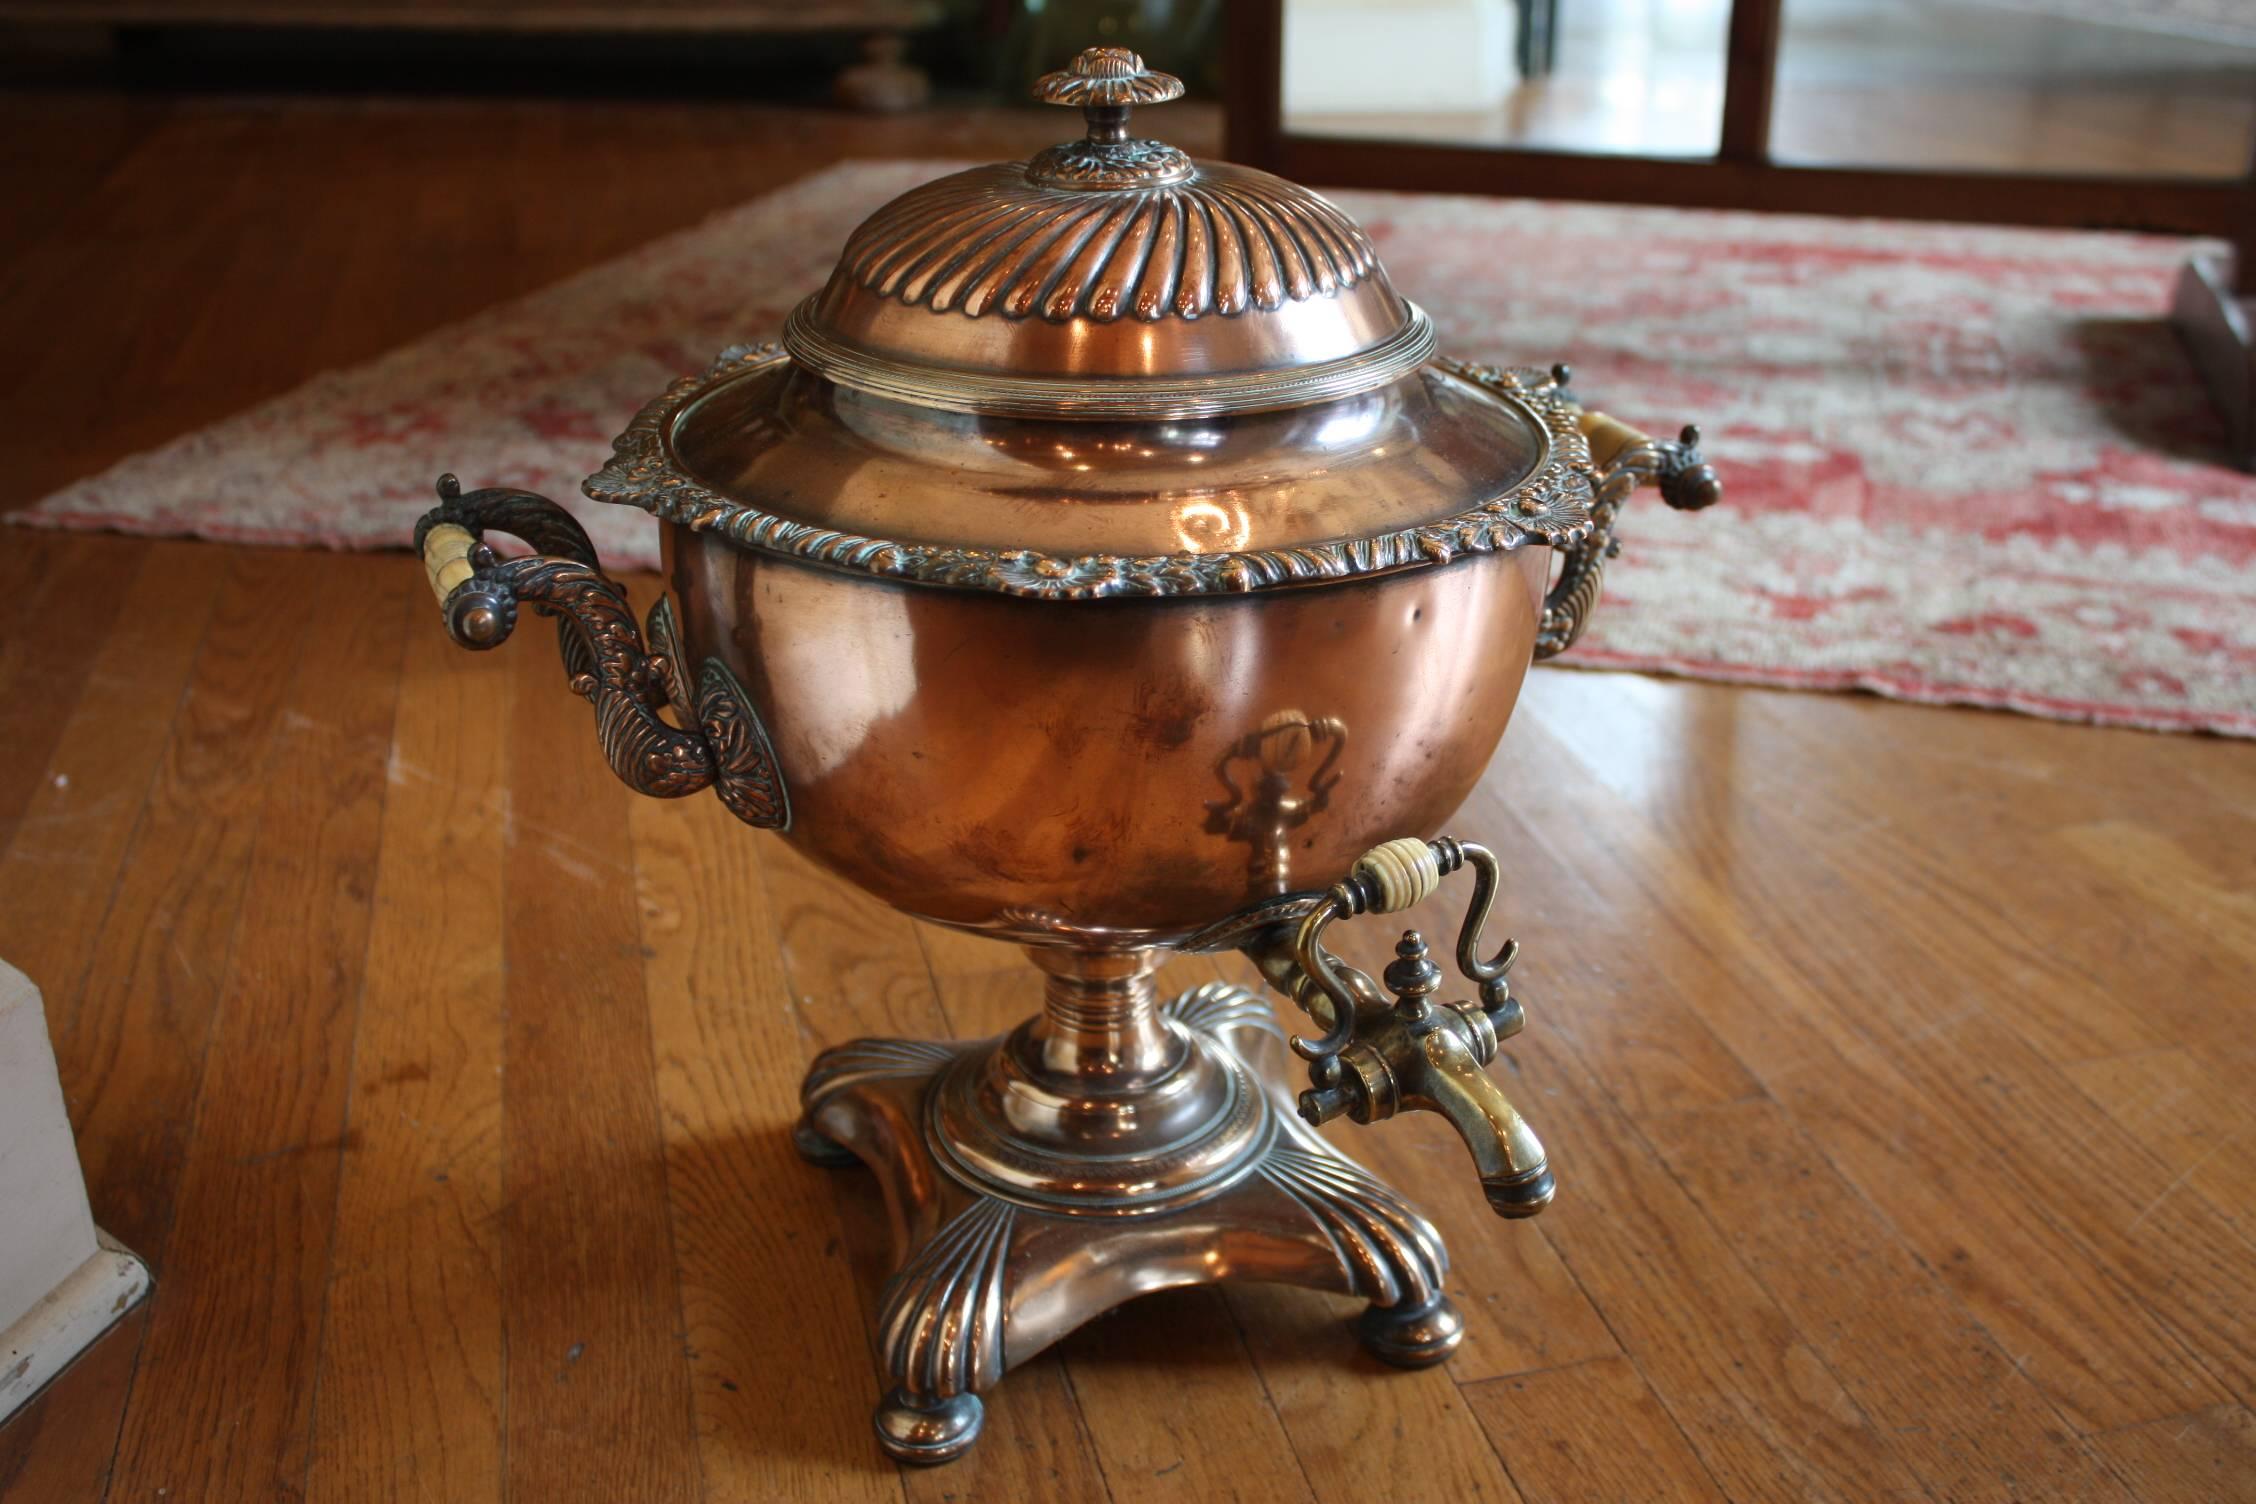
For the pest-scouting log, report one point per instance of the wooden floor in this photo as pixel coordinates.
(1893, 1061)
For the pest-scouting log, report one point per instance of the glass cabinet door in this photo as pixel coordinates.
(2116, 88)
(1636, 77)
(2120, 88)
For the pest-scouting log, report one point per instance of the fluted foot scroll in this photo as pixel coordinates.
(994, 1262)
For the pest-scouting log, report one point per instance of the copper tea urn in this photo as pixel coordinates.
(1105, 562)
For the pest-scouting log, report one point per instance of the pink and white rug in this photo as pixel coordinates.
(1963, 465)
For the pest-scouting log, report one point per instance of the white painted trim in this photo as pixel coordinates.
(64, 1323)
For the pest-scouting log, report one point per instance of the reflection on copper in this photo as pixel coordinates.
(1281, 800)
(1207, 525)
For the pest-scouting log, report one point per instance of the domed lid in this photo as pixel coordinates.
(1109, 277)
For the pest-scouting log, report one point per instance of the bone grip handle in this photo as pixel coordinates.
(446, 557)
(1400, 874)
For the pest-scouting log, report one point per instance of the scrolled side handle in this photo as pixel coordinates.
(720, 743)
(1625, 458)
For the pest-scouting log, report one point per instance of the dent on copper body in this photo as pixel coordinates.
(1103, 564)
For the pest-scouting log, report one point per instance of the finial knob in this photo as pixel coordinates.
(1105, 78)
(1107, 82)
(1412, 976)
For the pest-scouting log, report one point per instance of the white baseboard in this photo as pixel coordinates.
(65, 1322)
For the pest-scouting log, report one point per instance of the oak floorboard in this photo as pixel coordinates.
(767, 1289)
(1175, 1407)
(1361, 1429)
(2203, 1132)
(1591, 1433)
(63, 869)
(1955, 992)
(222, 1402)
(24, 568)
(1941, 1191)
(59, 869)
(856, 969)
(409, 1393)
(48, 644)
(1938, 1388)
(2205, 1458)
(959, 953)
(1752, 1394)
(2058, 901)
(131, 1022)
(1745, 975)
(59, 1448)
(597, 1402)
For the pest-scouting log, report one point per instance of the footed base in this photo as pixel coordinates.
(924, 1433)
(816, 1149)
(1011, 1230)
(1412, 1336)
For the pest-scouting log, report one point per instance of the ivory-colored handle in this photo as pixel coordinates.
(446, 558)
(1405, 871)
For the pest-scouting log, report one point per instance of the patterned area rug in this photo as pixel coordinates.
(1963, 465)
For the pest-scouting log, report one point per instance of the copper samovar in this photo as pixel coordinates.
(1090, 486)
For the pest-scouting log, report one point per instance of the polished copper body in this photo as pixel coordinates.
(1104, 562)
(1051, 772)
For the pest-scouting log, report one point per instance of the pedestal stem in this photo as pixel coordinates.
(1100, 1021)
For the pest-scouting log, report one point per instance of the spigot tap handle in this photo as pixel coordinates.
(1377, 1057)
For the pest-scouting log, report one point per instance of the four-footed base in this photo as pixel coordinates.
(1022, 1209)
(925, 1432)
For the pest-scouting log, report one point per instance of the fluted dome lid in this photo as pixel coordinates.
(1109, 277)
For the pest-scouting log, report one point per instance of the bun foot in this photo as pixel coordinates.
(1411, 1336)
(818, 1148)
(923, 1433)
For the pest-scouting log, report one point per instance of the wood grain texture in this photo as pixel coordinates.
(1942, 1393)
(1891, 1059)
(598, 1404)
(59, 1448)
(1176, 1409)
(2188, 1459)
(148, 958)
(1801, 1015)
(1358, 1427)
(768, 1291)
(235, 1332)
(857, 968)
(57, 619)
(1591, 1434)
(82, 806)
(408, 1401)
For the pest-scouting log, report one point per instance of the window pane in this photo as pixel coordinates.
(1637, 76)
(2141, 88)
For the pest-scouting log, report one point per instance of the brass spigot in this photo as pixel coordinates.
(1378, 1057)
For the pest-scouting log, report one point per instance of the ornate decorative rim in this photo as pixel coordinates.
(1552, 506)
(1140, 397)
